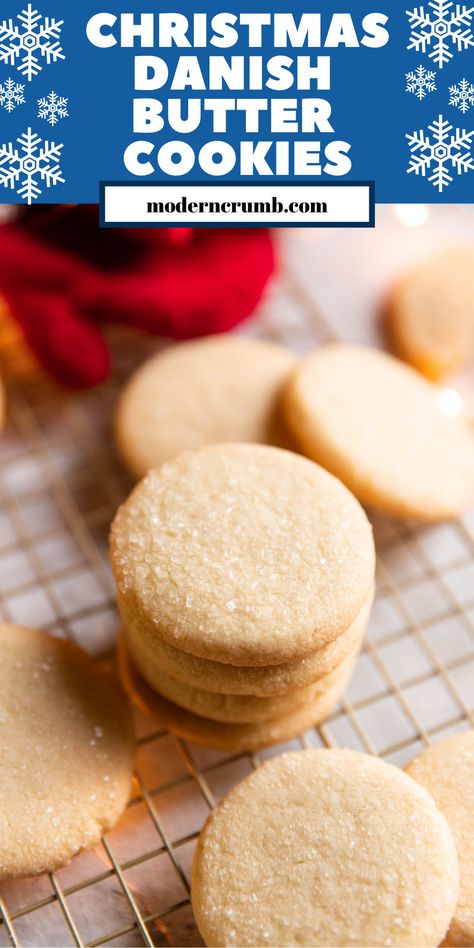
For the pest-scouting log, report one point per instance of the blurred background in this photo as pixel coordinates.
(183, 283)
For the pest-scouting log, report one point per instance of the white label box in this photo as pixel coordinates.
(305, 204)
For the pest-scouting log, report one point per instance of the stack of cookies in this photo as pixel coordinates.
(245, 579)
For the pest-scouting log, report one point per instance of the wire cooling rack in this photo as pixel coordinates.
(60, 485)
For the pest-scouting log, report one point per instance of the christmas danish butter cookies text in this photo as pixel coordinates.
(249, 113)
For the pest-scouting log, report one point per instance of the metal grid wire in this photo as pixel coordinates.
(60, 485)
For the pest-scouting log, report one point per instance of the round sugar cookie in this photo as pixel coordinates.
(245, 709)
(149, 652)
(447, 771)
(430, 313)
(66, 752)
(243, 554)
(245, 738)
(325, 847)
(222, 388)
(379, 426)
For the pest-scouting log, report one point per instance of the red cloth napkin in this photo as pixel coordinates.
(63, 278)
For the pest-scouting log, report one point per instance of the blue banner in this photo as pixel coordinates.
(269, 92)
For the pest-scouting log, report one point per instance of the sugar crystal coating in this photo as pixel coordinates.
(243, 553)
(325, 847)
(66, 752)
(447, 772)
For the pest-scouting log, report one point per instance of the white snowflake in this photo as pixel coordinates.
(11, 94)
(53, 108)
(446, 148)
(438, 30)
(420, 82)
(462, 95)
(22, 166)
(23, 45)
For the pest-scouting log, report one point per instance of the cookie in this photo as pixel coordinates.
(430, 313)
(243, 554)
(379, 426)
(222, 388)
(447, 771)
(153, 653)
(241, 738)
(325, 847)
(244, 709)
(66, 752)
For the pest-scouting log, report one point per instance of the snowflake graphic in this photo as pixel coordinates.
(11, 95)
(420, 82)
(462, 95)
(23, 45)
(446, 148)
(32, 160)
(53, 108)
(438, 30)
